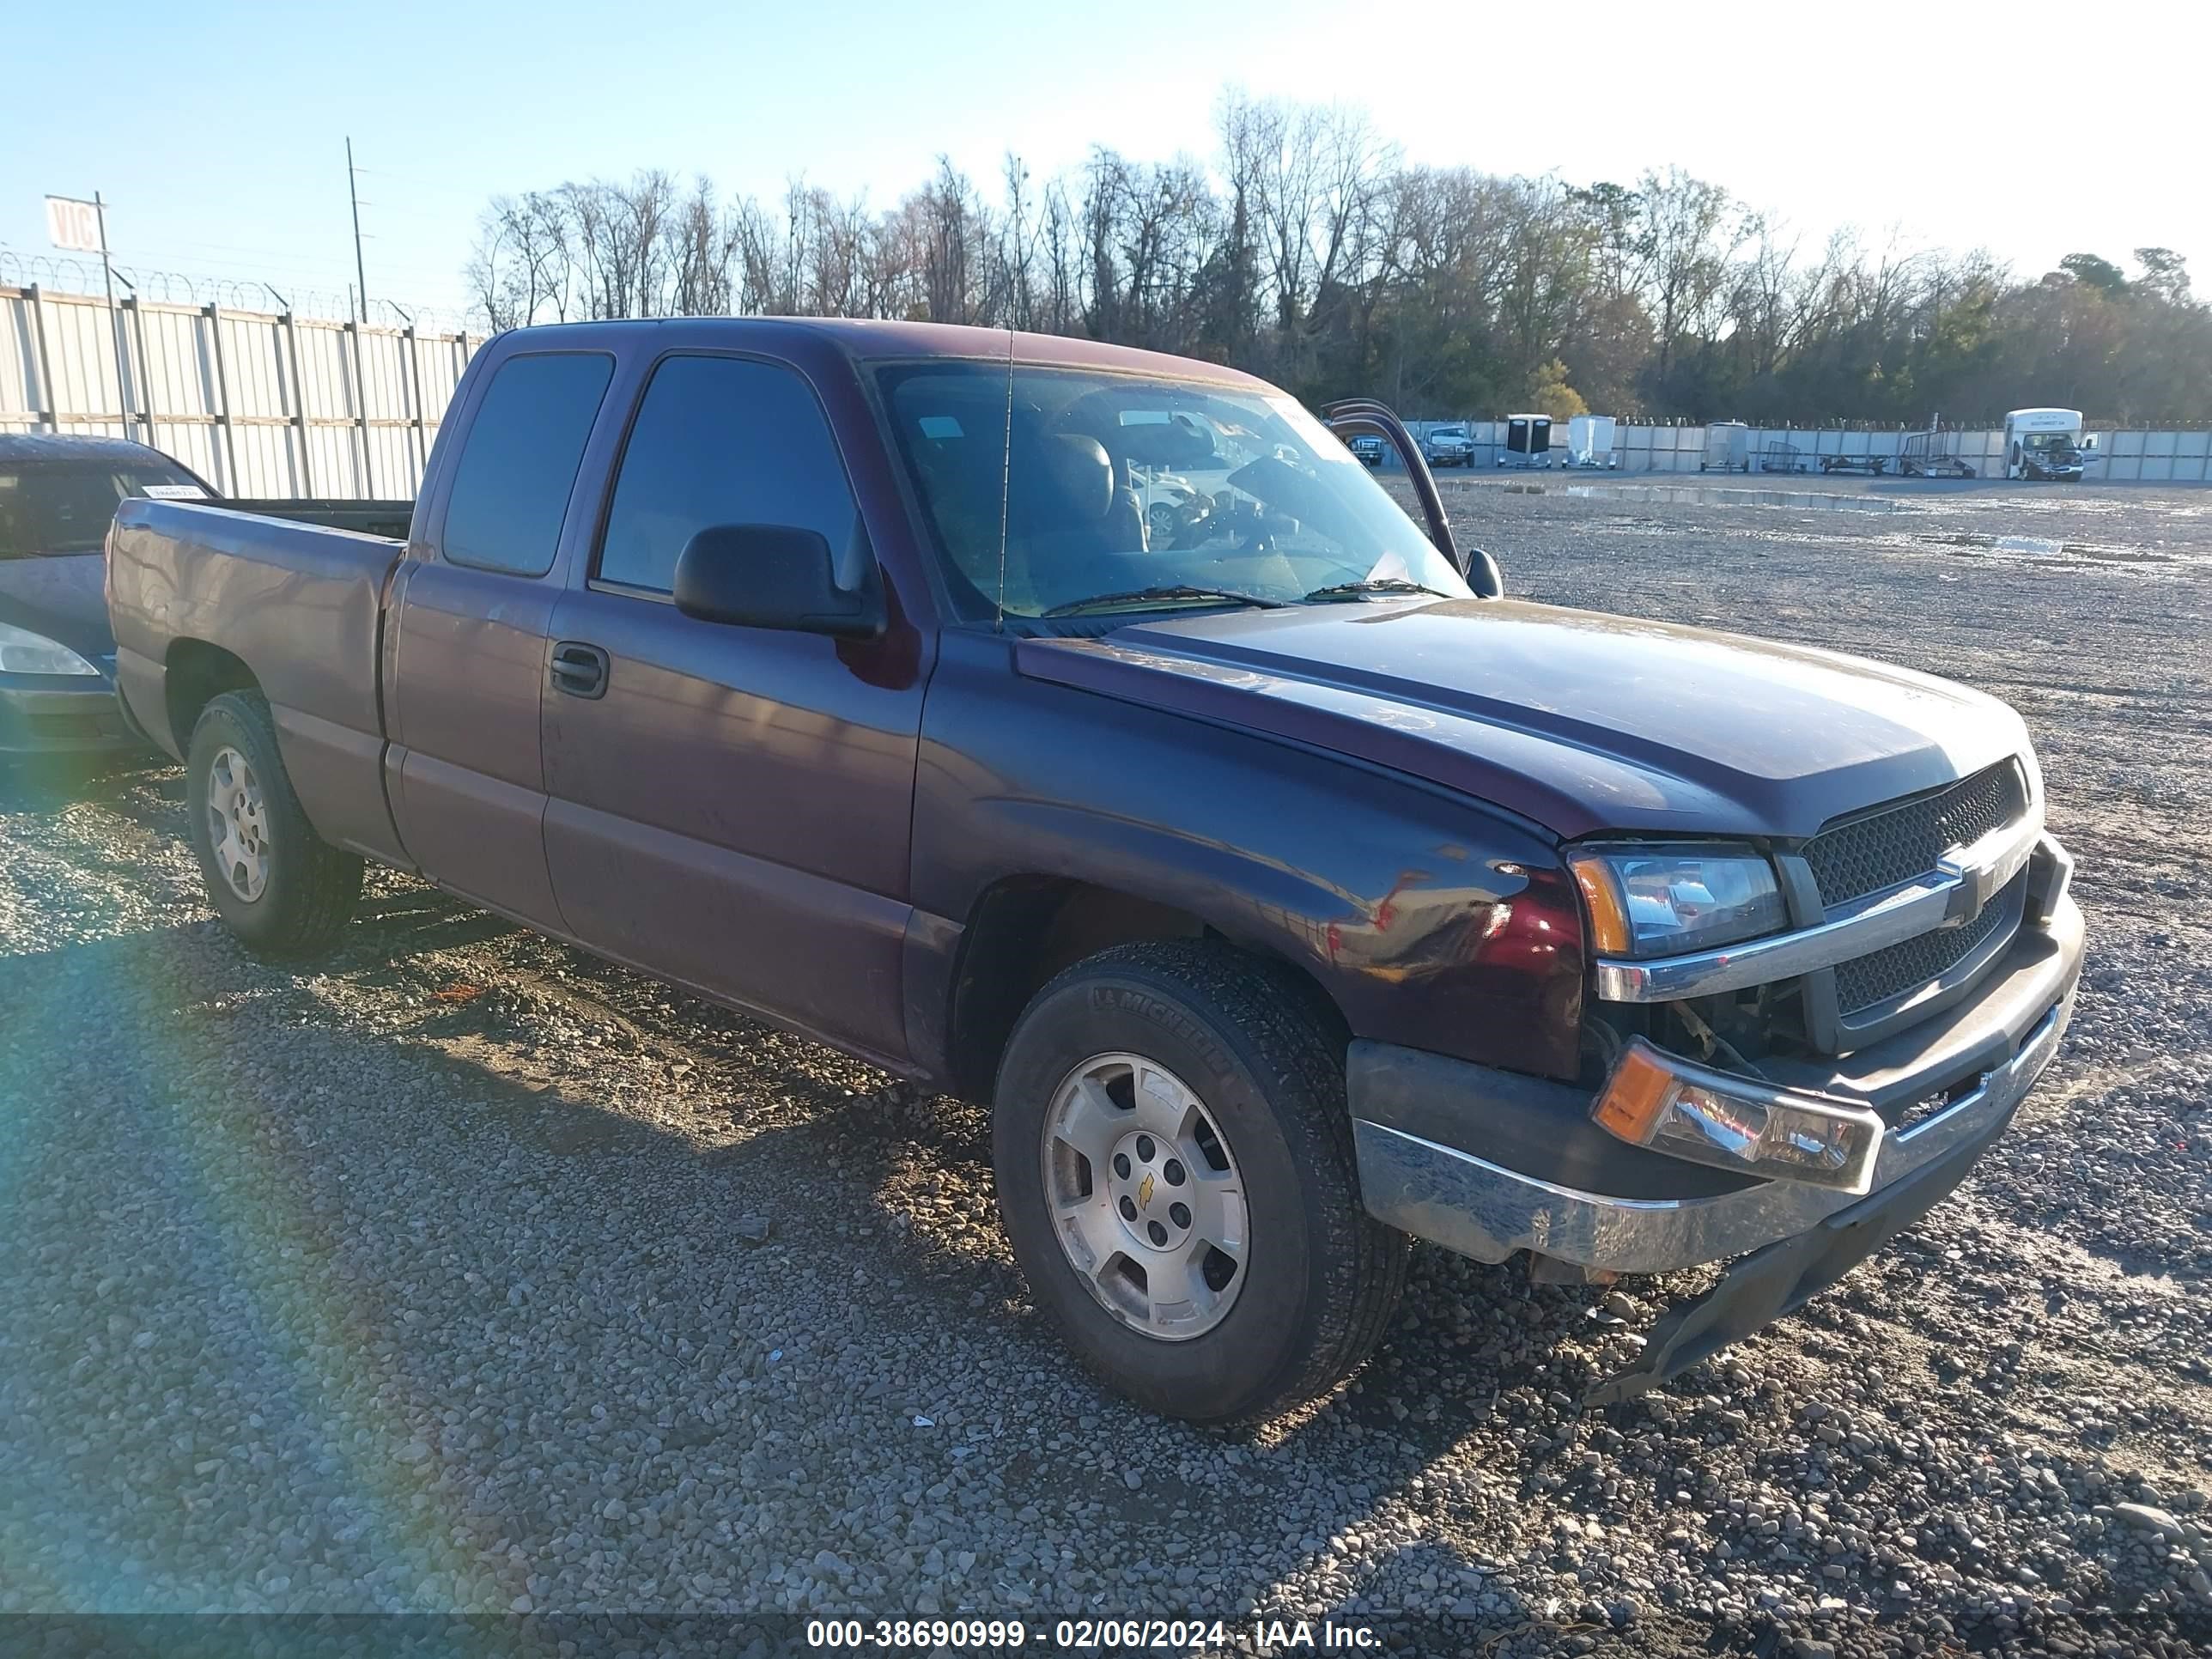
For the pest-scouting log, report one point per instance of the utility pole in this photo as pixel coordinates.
(114, 320)
(353, 191)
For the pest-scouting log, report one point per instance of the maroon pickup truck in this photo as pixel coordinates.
(1086, 731)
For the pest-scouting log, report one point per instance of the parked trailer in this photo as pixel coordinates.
(1527, 441)
(1589, 441)
(1873, 466)
(1782, 458)
(1931, 454)
(1727, 447)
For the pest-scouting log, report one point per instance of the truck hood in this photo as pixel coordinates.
(61, 597)
(1580, 721)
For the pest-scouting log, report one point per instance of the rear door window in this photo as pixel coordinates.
(724, 441)
(518, 462)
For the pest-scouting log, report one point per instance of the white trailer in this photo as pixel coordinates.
(1589, 441)
(1727, 447)
(2043, 443)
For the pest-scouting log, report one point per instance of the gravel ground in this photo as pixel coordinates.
(436, 1280)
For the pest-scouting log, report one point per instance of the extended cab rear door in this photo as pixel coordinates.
(468, 664)
(730, 805)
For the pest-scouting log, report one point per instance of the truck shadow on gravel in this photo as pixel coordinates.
(211, 1161)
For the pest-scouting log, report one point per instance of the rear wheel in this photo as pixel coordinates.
(1175, 1168)
(278, 886)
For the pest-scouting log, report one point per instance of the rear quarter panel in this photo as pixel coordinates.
(301, 606)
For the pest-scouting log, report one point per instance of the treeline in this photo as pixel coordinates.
(1307, 251)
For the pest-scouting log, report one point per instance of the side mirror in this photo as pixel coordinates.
(772, 575)
(1483, 575)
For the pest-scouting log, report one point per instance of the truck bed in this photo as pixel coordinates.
(207, 596)
(370, 517)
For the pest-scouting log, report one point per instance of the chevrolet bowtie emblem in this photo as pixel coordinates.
(1145, 1192)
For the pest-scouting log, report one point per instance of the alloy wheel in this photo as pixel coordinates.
(1145, 1197)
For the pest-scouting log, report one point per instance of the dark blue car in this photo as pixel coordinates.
(57, 496)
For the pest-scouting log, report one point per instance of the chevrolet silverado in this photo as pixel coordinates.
(1287, 893)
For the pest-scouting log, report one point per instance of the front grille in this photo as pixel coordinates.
(1863, 981)
(1866, 854)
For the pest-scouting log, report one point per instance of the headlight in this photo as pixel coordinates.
(22, 652)
(1663, 901)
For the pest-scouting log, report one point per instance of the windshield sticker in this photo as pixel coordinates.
(175, 493)
(940, 426)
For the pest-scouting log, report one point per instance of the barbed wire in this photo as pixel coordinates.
(70, 275)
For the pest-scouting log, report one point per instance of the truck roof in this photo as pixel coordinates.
(2071, 416)
(870, 340)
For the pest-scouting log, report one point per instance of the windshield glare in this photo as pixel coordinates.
(2041, 440)
(1111, 484)
(53, 507)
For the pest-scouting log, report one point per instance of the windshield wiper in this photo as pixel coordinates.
(1167, 593)
(1372, 585)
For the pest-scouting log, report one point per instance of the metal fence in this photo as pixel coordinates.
(270, 403)
(258, 403)
(2124, 456)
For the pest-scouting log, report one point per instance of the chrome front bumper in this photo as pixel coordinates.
(1486, 1210)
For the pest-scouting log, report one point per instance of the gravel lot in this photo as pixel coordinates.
(431, 1280)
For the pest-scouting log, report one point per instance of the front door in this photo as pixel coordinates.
(729, 806)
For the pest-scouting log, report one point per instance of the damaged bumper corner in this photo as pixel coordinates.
(1487, 1163)
(1783, 1277)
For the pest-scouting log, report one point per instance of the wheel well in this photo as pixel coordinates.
(197, 673)
(1026, 930)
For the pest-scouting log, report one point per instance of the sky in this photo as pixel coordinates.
(216, 131)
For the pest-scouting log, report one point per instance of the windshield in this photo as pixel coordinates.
(1125, 493)
(51, 507)
(2043, 442)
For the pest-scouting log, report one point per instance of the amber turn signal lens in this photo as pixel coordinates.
(1686, 1111)
(1608, 916)
(1635, 1095)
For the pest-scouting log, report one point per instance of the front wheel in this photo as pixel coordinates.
(1175, 1168)
(278, 886)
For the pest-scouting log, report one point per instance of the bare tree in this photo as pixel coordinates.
(705, 245)
(1307, 251)
(1684, 223)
